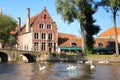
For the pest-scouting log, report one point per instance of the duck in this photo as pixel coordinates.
(42, 68)
(71, 67)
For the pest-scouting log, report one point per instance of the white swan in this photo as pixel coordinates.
(71, 67)
(42, 68)
(79, 61)
(88, 62)
(91, 65)
(103, 61)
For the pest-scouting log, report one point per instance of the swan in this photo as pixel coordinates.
(88, 62)
(91, 66)
(103, 61)
(106, 61)
(71, 67)
(79, 61)
(42, 68)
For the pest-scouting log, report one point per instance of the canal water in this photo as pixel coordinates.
(58, 71)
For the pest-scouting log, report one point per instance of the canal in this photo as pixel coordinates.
(58, 71)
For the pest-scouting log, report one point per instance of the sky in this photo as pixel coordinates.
(17, 8)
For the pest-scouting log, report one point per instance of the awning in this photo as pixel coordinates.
(70, 48)
(80, 48)
(102, 48)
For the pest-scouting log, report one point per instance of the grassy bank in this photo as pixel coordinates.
(96, 57)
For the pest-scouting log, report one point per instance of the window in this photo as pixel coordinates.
(54, 46)
(35, 35)
(43, 46)
(100, 44)
(50, 45)
(49, 26)
(73, 44)
(41, 26)
(50, 36)
(35, 46)
(43, 36)
(45, 16)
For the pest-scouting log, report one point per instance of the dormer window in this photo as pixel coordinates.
(73, 44)
(41, 26)
(100, 44)
(49, 26)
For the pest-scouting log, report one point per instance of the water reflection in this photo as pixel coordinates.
(58, 71)
(107, 72)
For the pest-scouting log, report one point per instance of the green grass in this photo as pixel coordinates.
(98, 56)
(71, 54)
(105, 57)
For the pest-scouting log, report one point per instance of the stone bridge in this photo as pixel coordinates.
(12, 55)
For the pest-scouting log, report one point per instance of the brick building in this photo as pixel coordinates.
(39, 33)
(110, 34)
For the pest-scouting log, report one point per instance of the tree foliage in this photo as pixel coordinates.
(72, 10)
(90, 28)
(7, 24)
(114, 7)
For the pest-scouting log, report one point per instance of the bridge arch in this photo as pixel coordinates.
(4, 57)
(30, 57)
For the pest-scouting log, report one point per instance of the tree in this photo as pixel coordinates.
(72, 10)
(7, 24)
(90, 28)
(114, 7)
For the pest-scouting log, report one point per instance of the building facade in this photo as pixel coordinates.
(39, 33)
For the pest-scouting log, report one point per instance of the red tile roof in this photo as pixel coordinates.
(64, 35)
(109, 32)
(105, 41)
(67, 39)
(12, 32)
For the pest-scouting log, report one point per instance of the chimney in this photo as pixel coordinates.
(19, 25)
(0, 10)
(28, 20)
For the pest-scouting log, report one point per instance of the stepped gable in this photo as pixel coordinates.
(67, 39)
(109, 32)
(44, 16)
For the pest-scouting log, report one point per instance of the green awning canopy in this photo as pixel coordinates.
(70, 48)
(102, 48)
(80, 48)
